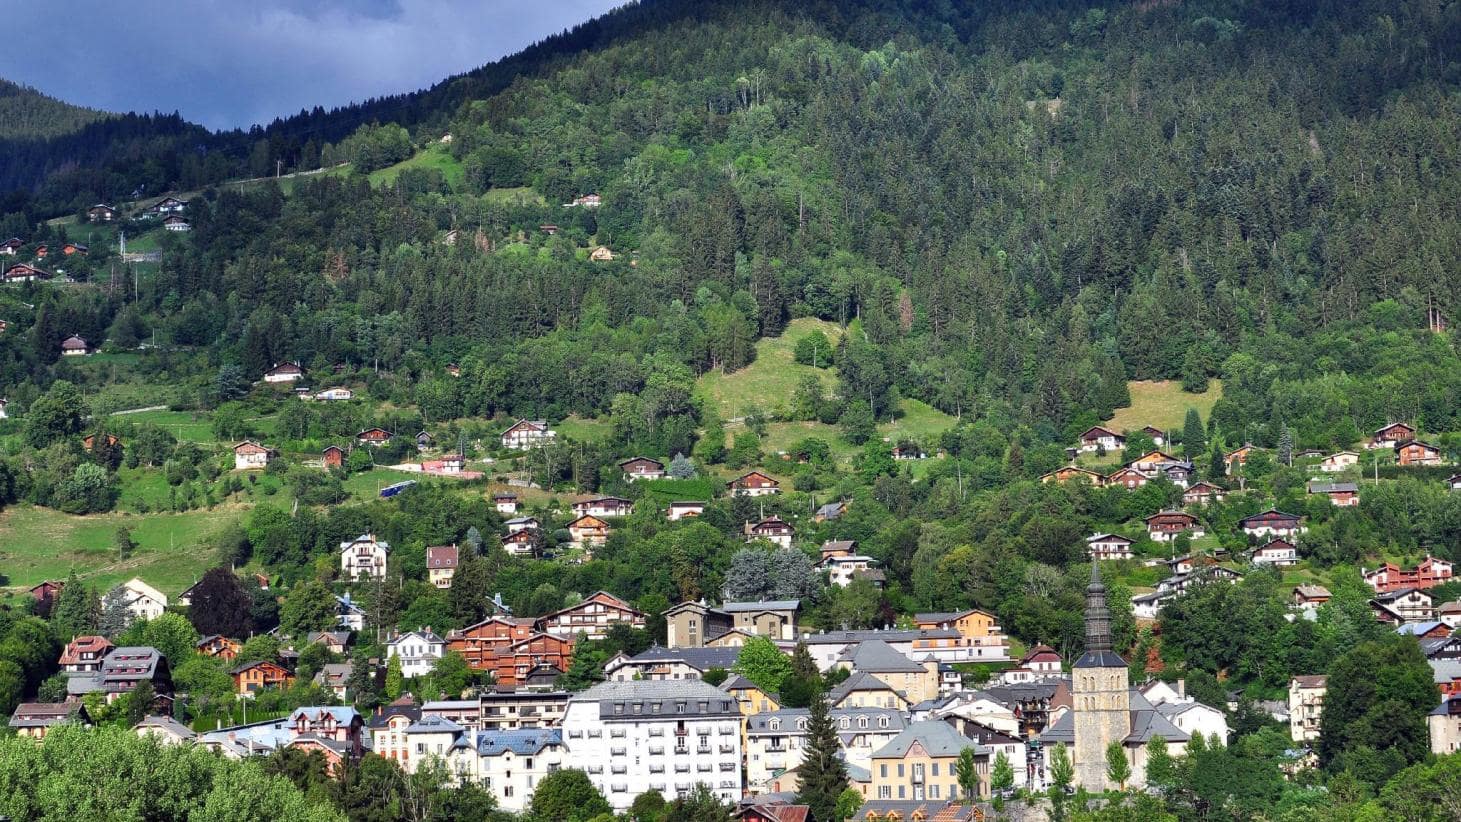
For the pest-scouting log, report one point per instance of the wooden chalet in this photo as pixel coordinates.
(88, 442)
(24, 273)
(1276, 552)
(1158, 436)
(12, 246)
(592, 617)
(1415, 452)
(45, 593)
(602, 254)
(251, 456)
(1165, 526)
(1099, 438)
(74, 248)
(505, 503)
(604, 507)
(373, 436)
(1342, 494)
(588, 532)
(1238, 456)
(1109, 547)
(221, 647)
(177, 222)
(1272, 523)
(74, 346)
(1074, 472)
(169, 205)
(525, 434)
(638, 468)
(101, 213)
(1128, 478)
(753, 484)
(773, 529)
(1391, 435)
(284, 372)
(1202, 492)
(1311, 596)
(334, 456)
(253, 677)
(685, 509)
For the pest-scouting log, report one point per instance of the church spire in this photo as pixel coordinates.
(1098, 616)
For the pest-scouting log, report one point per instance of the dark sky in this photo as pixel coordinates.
(226, 63)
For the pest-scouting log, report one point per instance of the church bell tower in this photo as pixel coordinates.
(1100, 691)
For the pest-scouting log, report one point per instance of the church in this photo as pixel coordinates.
(1105, 708)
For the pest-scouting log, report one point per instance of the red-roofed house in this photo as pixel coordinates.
(441, 564)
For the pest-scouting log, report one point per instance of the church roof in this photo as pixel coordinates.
(1100, 659)
(1146, 722)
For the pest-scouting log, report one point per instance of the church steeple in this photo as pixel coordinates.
(1098, 616)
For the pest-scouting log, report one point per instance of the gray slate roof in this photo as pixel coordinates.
(938, 738)
(878, 657)
(860, 681)
(1146, 722)
(702, 659)
(768, 605)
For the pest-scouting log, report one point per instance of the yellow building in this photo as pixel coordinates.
(980, 636)
(922, 763)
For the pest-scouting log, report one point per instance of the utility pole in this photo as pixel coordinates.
(278, 167)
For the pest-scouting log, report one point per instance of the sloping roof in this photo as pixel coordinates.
(1311, 591)
(1311, 681)
(168, 724)
(878, 657)
(441, 556)
(935, 736)
(651, 689)
(523, 742)
(702, 659)
(860, 681)
(768, 605)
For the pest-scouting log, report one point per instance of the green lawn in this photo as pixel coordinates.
(1164, 404)
(37, 544)
(435, 156)
(768, 382)
(511, 196)
(920, 422)
(366, 485)
(584, 430)
(185, 425)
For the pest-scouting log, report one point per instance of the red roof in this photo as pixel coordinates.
(441, 556)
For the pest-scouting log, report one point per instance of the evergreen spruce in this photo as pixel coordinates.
(823, 773)
(1286, 446)
(1194, 439)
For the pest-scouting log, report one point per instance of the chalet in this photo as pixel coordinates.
(250, 678)
(284, 372)
(588, 532)
(1272, 523)
(685, 509)
(42, 250)
(1159, 437)
(1390, 577)
(122, 670)
(1404, 605)
(843, 569)
(1415, 452)
(1453, 482)
(336, 642)
(1177, 473)
(1074, 472)
(24, 273)
(89, 441)
(604, 507)
(1202, 492)
(141, 600)
(505, 503)
(753, 484)
(11, 246)
(177, 222)
(334, 395)
(74, 248)
(373, 436)
(441, 564)
(1109, 546)
(830, 511)
(334, 456)
(772, 529)
(548, 228)
(602, 254)
(219, 646)
(169, 205)
(1276, 552)
(334, 677)
(1098, 438)
(1428, 629)
(638, 468)
(517, 524)
(1238, 457)
(1342, 494)
(1450, 613)
(1391, 435)
(84, 654)
(1152, 462)
(364, 556)
(45, 594)
(1334, 463)
(592, 617)
(586, 201)
(453, 370)
(249, 455)
(908, 451)
(74, 346)
(1165, 526)
(1128, 478)
(1311, 596)
(449, 464)
(34, 720)
(525, 434)
(101, 213)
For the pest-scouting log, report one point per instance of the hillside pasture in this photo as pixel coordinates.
(1164, 404)
(768, 382)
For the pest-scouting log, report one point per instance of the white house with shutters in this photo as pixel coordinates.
(364, 556)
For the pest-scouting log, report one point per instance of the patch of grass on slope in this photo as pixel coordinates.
(1164, 404)
(37, 544)
(768, 382)
(435, 156)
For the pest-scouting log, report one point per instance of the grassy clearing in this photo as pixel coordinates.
(584, 430)
(434, 157)
(524, 195)
(1164, 404)
(37, 544)
(185, 425)
(768, 382)
(920, 422)
(366, 485)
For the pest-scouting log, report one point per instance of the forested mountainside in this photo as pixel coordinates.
(26, 113)
(1024, 207)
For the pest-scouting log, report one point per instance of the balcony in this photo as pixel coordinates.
(726, 747)
(703, 749)
(918, 774)
(657, 750)
(681, 732)
(656, 731)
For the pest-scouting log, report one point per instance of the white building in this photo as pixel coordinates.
(682, 510)
(842, 570)
(364, 556)
(525, 434)
(633, 737)
(418, 651)
(508, 764)
(1109, 546)
(1306, 706)
(251, 456)
(1335, 463)
(142, 600)
(1277, 552)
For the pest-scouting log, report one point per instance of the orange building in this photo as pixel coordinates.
(255, 676)
(219, 646)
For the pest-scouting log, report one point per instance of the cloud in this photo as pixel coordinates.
(233, 63)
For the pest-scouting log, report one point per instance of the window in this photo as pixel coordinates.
(883, 771)
(900, 769)
(933, 791)
(885, 791)
(935, 769)
(862, 722)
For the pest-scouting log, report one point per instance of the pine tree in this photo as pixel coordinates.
(681, 467)
(823, 773)
(77, 611)
(473, 541)
(470, 595)
(1216, 469)
(1286, 446)
(1194, 439)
